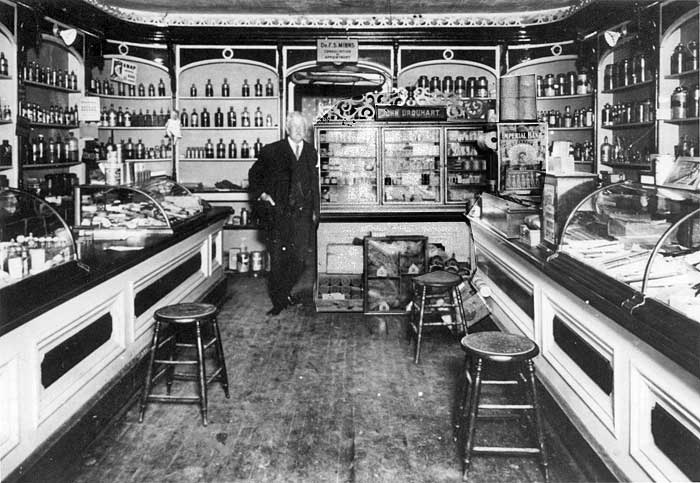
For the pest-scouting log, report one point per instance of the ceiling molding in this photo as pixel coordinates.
(343, 22)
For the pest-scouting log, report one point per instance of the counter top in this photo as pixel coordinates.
(33, 296)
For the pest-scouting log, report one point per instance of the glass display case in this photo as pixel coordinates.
(466, 164)
(117, 212)
(644, 236)
(33, 237)
(348, 163)
(411, 166)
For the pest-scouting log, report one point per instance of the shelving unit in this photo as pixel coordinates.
(8, 96)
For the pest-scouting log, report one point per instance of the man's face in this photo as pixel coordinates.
(295, 130)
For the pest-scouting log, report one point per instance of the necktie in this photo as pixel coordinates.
(297, 150)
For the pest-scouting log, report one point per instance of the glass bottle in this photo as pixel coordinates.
(245, 118)
(225, 88)
(691, 61)
(132, 90)
(184, 118)
(257, 147)
(129, 149)
(140, 150)
(269, 88)
(121, 89)
(258, 88)
(204, 118)
(218, 118)
(245, 88)
(120, 117)
(112, 116)
(161, 88)
(679, 103)
(221, 149)
(268, 120)
(571, 80)
(245, 149)
(232, 150)
(258, 117)
(4, 69)
(605, 151)
(678, 59)
(447, 84)
(231, 117)
(209, 149)
(193, 90)
(568, 119)
(208, 89)
(194, 118)
(151, 90)
(142, 90)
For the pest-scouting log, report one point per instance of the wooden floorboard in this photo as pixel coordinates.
(330, 397)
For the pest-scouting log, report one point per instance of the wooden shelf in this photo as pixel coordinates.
(266, 128)
(569, 96)
(629, 126)
(5, 167)
(54, 126)
(218, 160)
(582, 128)
(227, 98)
(138, 98)
(683, 74)
(628, 166)
(49, 165)
(685, 120)
(131, 128)
(2, 121)
(51, 87)
(5, 77)
(627, 88)
(144, 160)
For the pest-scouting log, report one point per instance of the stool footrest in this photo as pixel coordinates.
(175, 362)
(502, 450)
(206, 345)
(164, 398)
(496, 382)
(520, 407)
(214, 376)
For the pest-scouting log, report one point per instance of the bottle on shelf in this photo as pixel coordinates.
(209, 149)
(132, 90)
(257, 147)
(269, 88)
(194, 118)
(120, 117)
(232, 150)
(129, 149)
(245, 149)
(51, 153)
(258, 117)
(204, 118)
(258, 88)
(184, 118)
(694, 101)
(605, 151)
(691, 61)
(245, 118)
(679, 103)
(678, 59)
(111, 116)
(231, 117)
(218, 118)
(121, 89)
(4, 68)
(208, 89)
(142, 90)
(161, 88)
(268, 120)
(151, 90)
(140, 150)
(193, 90)
(245, 88)
(567, 120)
(220, 149)
(225, 88)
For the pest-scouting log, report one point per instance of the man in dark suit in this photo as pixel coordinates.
(284, 182)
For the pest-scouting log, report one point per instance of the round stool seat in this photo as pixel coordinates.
(185, 313)
(498, 346)
(438, 278)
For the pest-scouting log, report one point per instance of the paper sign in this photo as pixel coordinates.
(89, 108)
(123, 71)
(336, 50)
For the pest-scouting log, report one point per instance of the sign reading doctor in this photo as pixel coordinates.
(123, 71)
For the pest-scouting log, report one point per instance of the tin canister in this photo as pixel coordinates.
(256, 263)
(679, 103)
(243, 262)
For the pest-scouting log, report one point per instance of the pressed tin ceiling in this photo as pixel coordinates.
(342, 14)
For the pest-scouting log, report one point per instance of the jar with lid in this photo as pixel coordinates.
(582, 83)
(460, 86)
(423, 82)
(679, 103)
(608, 82)
(691, 61)
(694, 101)
(570, 85)
(606, 115)
(560, 85)
(678, 59)
(434, 84)
(624, 74)
(549, 82)
(482, 87)
(540, 86)
(471, 87)
(641, 69)
(448, 84)
(647, 111)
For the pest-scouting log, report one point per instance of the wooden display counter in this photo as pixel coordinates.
(67, 339)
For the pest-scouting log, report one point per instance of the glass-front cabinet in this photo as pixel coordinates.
(644, 236)
(386, 167)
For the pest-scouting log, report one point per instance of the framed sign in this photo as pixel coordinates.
(684, 174)
(522, 155)
(389, 265)
(337, 50)
(411, 113)
(123, 71)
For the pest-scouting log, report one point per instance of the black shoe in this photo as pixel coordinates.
(275, 310)
(292, 300)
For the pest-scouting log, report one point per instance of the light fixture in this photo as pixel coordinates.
(611, 37)
(68, 35)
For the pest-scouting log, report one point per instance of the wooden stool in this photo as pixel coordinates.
(498, 347)
(199, 316)
(429, 293)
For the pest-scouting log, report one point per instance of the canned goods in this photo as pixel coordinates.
(256, 263)
(243, 262)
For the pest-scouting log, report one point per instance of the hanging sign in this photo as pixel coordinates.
(89, 108)
(411, 113)
(123, 71)
(336, 50)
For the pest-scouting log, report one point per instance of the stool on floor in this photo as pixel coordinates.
(436, 293)
(494, 348)
(179, 316)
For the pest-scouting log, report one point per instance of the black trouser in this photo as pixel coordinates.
(288, 243)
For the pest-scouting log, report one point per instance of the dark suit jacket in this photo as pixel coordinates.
(272, 173)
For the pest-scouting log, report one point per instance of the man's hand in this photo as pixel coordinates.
(267, 198)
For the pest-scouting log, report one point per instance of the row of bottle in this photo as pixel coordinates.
(684, 57)
(67, 116)
(5, 153)
(564, 84)
(49, 75)
(258, 89)
(194, 119)
(28, 255)
(627, 72)
(4, 65)
(43, 151)
(222, 151)
(583, 117)
(471, 87)
(686, 147)
(105, 87)
(628, 113)
(621, 153)
(131, 150)
(685, 102)
(582, 152)
(124, 118)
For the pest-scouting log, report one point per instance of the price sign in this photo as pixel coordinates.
(89, 108)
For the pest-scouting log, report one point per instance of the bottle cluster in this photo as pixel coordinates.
(687, 146)
(51, 151)
(204, 119)
(685, 102)
(564, 84)
(29, 254)
(109, 88)
(627, 113)
(627, 72)
(621, 153)
(124, 118)
(62, 115)
(49, 75)
(4, 65)
(471, 87)
(684, 58)
(5, 111)
(583, 117)
(225, 89)
(138, 150)
(5, 153)
(224, 151)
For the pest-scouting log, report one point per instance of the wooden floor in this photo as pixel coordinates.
(315, 398)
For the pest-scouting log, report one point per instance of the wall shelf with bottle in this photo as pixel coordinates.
(622, 88)
(59, 88)
(629, 125)
(679, 85)
(48, 125)
(50, 165)
(8, 94)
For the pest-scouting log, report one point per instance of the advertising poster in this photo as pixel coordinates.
(123, 71)
(522, 155)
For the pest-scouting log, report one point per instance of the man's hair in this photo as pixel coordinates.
(295, 116)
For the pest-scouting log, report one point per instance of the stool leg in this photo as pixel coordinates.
(420, 326)
(220, 356)
(171, 356)
(473, 412)
(460, 307)
(202, 373)
(538, 419)
(149, 370)
(466, 384)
